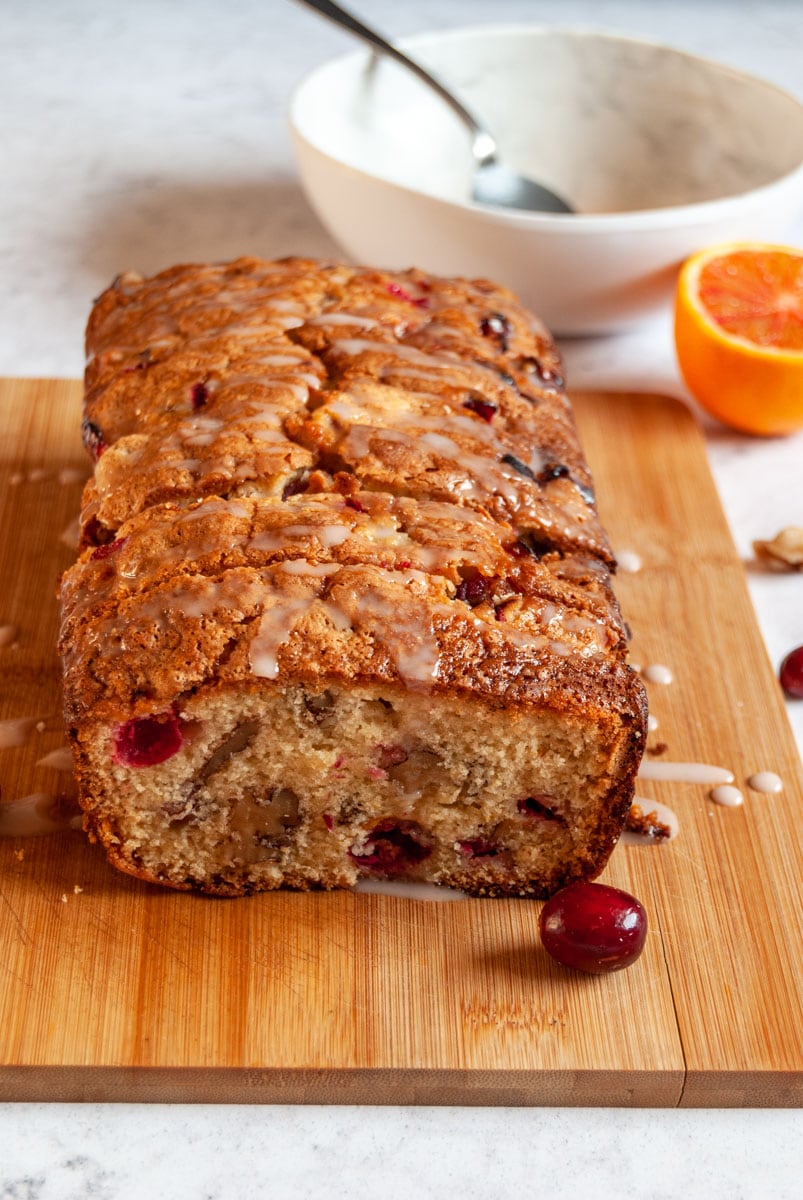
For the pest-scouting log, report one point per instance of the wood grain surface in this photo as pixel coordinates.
(111, 989)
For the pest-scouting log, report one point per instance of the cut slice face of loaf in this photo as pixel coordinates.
(344, 607)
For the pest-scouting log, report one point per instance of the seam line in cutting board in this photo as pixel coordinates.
(681, 1094)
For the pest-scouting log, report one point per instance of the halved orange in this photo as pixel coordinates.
(739, 334)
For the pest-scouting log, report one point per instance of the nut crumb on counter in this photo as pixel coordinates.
(784, 552)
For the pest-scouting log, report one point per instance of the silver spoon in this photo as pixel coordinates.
(494, 183)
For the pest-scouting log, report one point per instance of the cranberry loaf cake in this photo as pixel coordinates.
(343, 607)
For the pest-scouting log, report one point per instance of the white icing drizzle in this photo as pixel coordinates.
(16, 731)
(629, 561)
(766, 782)
(684, 772)
(300, 566)
(354, 346)
(407, 890)
(343, 318)
(60, 759)
(8, 635)
(216, 505)
(404, 631)
(35, 815)
(268, 435)
(438, 510)
(326, 536)
(657, 673)
(199, 431)
(275, 627)
(306, 380)
(419, 429)
(281, 360)
(380, 531)
(332, 535)
(664, 814)
(726, 795)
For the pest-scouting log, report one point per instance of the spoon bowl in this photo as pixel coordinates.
(709, 154)
(494, 182)
(497, 184)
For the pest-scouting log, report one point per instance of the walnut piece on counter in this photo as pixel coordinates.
(784, 552)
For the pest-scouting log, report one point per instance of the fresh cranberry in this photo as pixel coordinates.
(496, 325)
(483, 408)
(295, 487)
(147, 741)
(391, 756)
(199, 394)
(474, 590)
(395, 846)
(534, 806)
(479, 848)
(593, 927)
(401, 293)
(93, 439)
(791, 673)
(108, 549)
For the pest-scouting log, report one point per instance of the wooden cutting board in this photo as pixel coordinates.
(111, 989)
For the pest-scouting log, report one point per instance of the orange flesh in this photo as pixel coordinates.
(756, 295)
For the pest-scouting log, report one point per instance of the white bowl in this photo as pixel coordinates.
(661, 153)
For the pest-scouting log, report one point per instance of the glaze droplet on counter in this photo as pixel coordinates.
(657, 673)
(766, 782)
(726, 795)
(685, 772)
(629, 562)
(16, 730)
(407, 890)
(36, 815)
(60, 759)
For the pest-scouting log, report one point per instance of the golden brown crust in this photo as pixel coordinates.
(319, 380)
(342, 479)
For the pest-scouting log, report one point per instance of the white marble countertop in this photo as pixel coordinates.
(143, 134)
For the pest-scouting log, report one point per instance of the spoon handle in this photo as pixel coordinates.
(483, 145)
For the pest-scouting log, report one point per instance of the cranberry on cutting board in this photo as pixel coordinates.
(593, 927)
